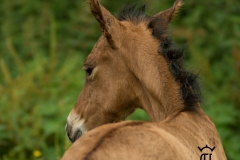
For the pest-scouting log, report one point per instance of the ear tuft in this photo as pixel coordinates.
(103, 16)
(170, 13)
(105, 19)
(160, 21)
(97, 11)
(175, 9)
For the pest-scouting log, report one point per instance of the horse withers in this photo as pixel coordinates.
(134, 65)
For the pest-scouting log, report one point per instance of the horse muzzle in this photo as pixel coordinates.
(73, 134)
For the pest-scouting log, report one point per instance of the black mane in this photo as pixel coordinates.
(133, 14)
(190, 90)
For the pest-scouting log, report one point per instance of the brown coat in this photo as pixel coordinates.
(133, 65)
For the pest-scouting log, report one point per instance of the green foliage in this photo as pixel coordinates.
(212, 35)
(42, 48)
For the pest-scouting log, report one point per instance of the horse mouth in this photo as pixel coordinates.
(77, 134)
(73, 136)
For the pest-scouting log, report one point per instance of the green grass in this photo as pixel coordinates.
(35, 104)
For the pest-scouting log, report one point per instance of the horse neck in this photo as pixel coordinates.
(158, 92)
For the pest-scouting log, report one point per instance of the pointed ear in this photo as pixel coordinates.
(170, 13)
(103, 16)
(160, 21)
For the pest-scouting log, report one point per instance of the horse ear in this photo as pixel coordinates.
(103, 16)
(164, 18)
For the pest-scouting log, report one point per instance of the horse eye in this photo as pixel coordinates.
(89, 71)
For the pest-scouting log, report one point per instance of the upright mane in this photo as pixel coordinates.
(133, 14)
(117, 82)
(190, 90)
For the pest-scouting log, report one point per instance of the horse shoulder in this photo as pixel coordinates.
(128, 140)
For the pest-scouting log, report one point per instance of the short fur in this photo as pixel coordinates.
(133, 75)
(190, 90)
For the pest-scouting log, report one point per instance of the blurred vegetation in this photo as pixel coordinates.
(42, 48)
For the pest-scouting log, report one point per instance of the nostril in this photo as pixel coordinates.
(68, 129)
(73, 134)
(77, 134)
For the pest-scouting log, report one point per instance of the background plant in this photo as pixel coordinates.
(42, 48)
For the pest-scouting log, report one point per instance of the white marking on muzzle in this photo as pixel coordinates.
(76, 122)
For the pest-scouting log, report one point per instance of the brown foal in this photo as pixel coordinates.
(134, 65)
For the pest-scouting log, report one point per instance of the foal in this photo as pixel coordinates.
(133, 65)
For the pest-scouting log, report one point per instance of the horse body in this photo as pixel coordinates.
(176, 137)
(134, 66)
